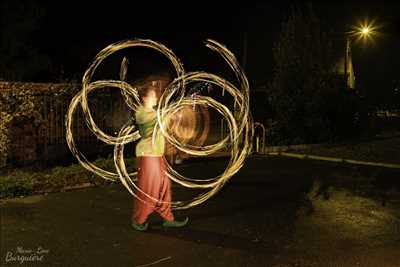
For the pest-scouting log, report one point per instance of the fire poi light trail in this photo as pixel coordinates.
(173, 99)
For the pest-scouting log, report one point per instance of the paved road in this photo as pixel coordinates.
(274, 212)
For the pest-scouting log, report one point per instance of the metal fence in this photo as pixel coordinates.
(108, 109)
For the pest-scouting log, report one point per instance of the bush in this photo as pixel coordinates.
(16, 184)
(19, 183)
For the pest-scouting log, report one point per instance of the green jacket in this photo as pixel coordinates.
(146, 121)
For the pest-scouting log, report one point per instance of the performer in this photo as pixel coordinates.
(152, 178)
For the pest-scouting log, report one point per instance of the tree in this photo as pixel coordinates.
(306, 95)
(20, 59)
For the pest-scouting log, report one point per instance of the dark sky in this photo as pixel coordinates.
(71, 33)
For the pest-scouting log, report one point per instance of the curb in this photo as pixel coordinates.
(45, 192)
(339, 160)
(66, 188)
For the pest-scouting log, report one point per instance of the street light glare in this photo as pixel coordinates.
(365, 30)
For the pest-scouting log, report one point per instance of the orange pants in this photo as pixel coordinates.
(152, 180)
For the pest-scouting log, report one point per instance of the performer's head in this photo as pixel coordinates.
(148, 96)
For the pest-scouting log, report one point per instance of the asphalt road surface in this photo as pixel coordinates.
(274, 212)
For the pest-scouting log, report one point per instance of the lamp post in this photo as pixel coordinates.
(347, 56)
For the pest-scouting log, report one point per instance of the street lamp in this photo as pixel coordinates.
(364, 31)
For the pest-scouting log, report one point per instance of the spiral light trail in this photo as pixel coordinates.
(174, 98)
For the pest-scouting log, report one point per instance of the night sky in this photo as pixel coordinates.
(71, 34)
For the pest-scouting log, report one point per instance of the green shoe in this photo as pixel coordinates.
(175, 223)
(139, 227)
